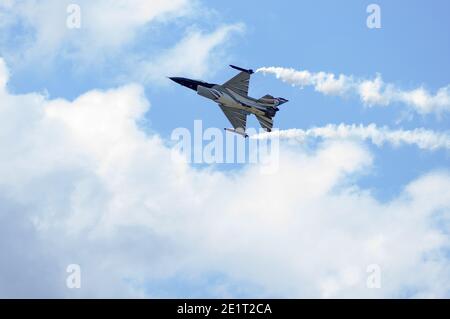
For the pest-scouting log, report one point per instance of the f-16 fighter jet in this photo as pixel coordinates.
(234, 101)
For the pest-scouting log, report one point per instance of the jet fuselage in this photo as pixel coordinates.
(233, 99)
(228, 98)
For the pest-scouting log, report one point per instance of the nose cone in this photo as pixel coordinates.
(192, 84)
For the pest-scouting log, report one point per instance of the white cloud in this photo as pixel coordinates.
(192, 56)
(422, 138)
(4, 74)
(108, 36)
(80, 183)
(371, 91)
(106, 26)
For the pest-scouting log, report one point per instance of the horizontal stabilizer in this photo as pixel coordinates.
(266, 122)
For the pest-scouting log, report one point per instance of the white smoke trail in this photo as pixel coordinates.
(370, 91)
(424, 139)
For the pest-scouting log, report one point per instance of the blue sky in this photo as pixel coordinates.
(410, 50)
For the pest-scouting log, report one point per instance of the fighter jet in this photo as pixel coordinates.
(233, 99)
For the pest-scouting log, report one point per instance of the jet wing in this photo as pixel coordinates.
(237, 118)
(240, 82)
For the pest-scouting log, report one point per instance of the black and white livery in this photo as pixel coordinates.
(233, 99)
